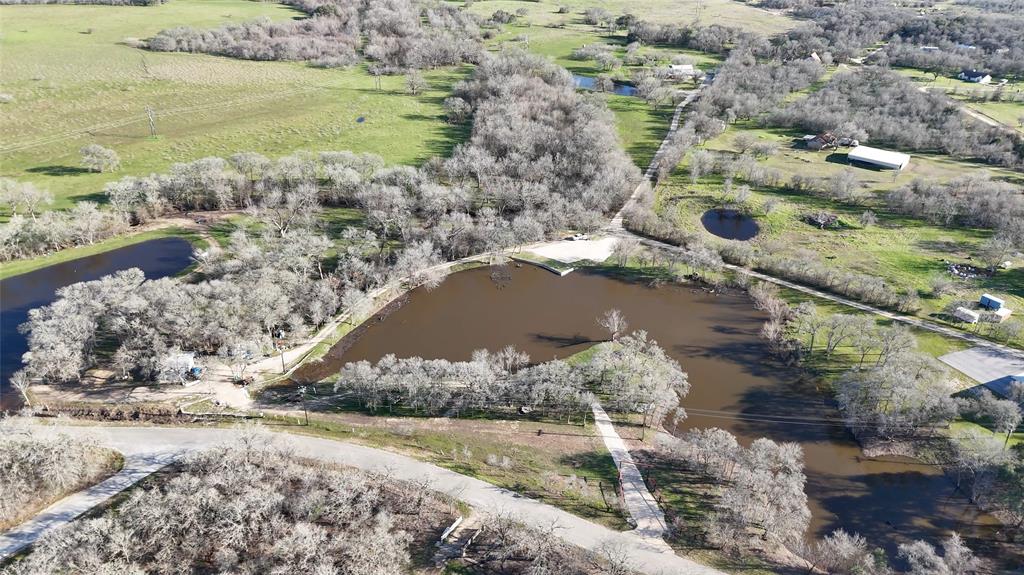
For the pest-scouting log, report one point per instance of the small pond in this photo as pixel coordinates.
(590, 83)
(736, 385)
(730, 224)
(19, 294)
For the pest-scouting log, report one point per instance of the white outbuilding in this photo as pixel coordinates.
(878, 157)
(966, 315)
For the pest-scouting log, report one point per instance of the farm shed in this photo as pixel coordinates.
(822, 141)
(991, 302)
(966, 315)
(878, 157)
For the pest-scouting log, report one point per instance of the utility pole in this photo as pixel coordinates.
(302, 396)
(152, 121)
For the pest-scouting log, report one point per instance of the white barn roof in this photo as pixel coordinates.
(884, 158)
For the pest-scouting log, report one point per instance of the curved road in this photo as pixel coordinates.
(146, 449)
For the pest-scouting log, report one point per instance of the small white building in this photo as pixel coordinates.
(878, 157)
(1002, 314)
(683, 72)
(966, 315)
(975, 76)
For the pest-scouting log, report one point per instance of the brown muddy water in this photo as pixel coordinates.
(734, 382)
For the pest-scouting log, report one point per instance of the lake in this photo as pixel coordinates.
(735, 383)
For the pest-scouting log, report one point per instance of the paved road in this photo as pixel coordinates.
(641, 505)
(160, 445)
(136, 467)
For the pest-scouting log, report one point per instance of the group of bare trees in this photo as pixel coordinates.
(399, 34)
(497, 191)
(261, 288)
(845, 553)
(100, 2)
(632, 374)
(992, 42)
(760, 506)
(39, 464)
(893, 393)
(971, 200)
(539, 151)
(910, 397)
(507, 547)
(714, 38)
(760, 499)
(251, 506)
(33, 229)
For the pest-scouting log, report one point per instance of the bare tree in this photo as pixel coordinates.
(96, 158)
(614, 322)
(415, 84)
(957, 558)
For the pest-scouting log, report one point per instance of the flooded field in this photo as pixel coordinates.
(735, 383)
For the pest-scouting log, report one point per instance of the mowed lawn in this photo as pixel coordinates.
(74, 81)
(906, 252)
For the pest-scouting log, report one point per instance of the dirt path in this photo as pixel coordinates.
(979, 115)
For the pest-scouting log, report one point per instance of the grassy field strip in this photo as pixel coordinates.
(161, 114)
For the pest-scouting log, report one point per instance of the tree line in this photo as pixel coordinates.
(32, 230)
(992, 42)
(973, 200)
(631, 374)
(99, 2)
(397, 34)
